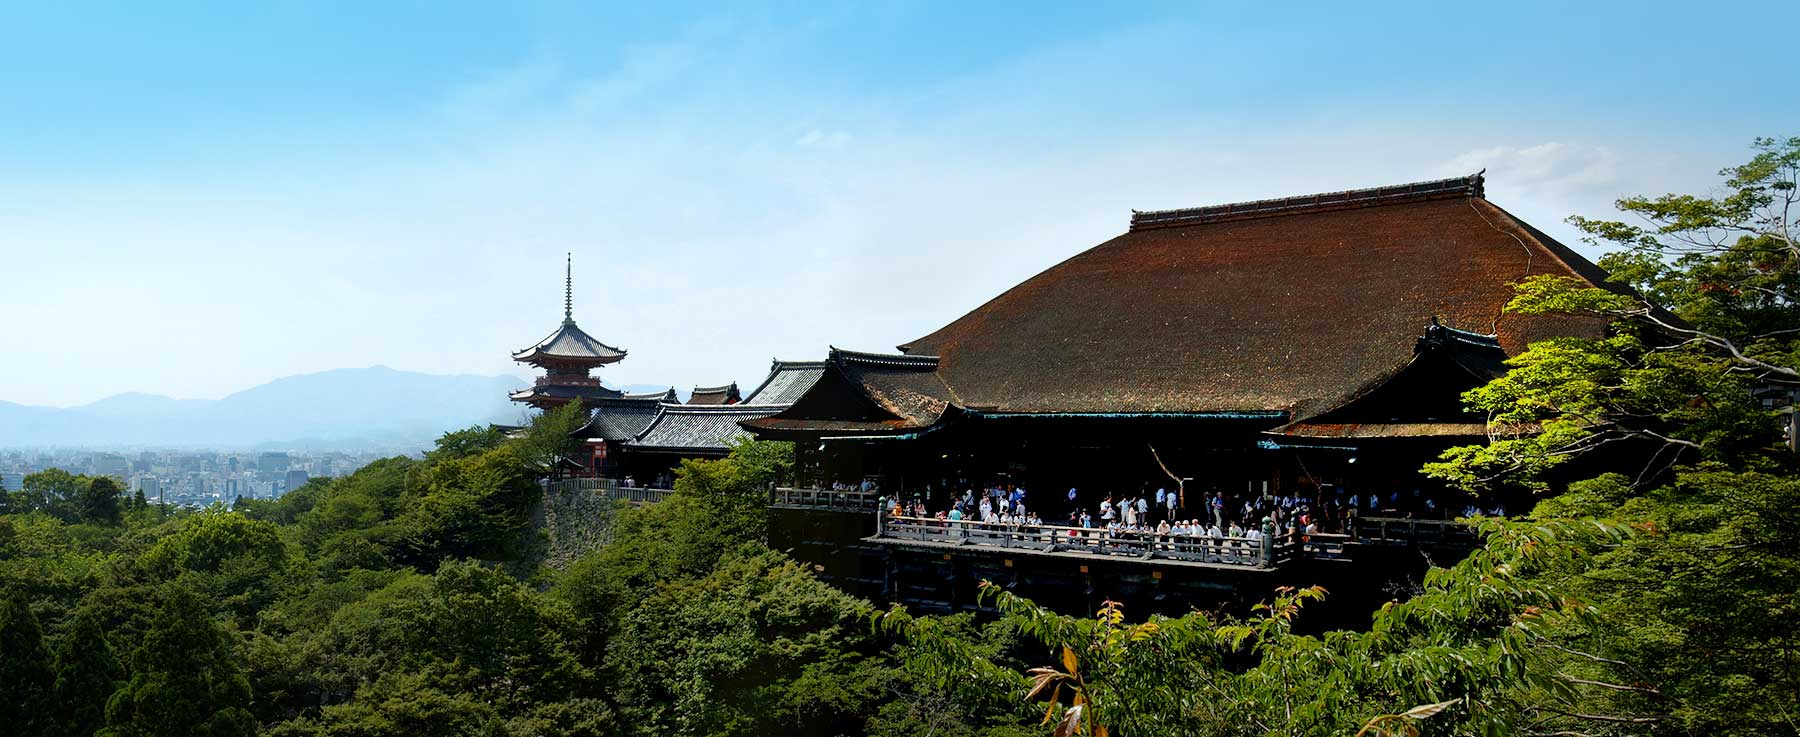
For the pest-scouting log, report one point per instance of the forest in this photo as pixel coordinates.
(1658, 597)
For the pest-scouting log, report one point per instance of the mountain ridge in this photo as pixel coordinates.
(343, 409)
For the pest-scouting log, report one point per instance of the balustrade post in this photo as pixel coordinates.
(1268, 543)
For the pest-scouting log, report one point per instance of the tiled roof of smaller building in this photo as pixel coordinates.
(618, 420)
(1421, 398)
(698, 428)
(667, 395)
(868, 393)
(787, 380)
(726, 394)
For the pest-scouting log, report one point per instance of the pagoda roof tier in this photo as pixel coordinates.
(1291, 305)
(564, 392)
(570, 345)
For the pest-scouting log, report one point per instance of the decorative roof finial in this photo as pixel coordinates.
(569, 288)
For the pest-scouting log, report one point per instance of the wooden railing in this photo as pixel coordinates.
(842, 501)
(1237, 551)
(1402, 531)
(612, 489)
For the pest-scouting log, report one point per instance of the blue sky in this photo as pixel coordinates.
(196, 198)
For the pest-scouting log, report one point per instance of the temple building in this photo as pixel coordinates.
(705, 427)
(645, 435)
(727, 394)
(568, 358)
(1299, 346)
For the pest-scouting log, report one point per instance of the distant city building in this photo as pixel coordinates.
(12, 481)
(273, 463)
(108, 464)
(295, 479)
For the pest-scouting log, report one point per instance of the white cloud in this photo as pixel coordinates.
(1550, 169)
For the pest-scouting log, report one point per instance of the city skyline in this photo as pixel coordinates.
(200, 202)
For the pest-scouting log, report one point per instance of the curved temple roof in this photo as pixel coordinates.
(705, 395)
(703, 429)
(1290, 305)
(787, 380)
(570, 343)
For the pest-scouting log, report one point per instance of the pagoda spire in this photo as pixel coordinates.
(569, 289)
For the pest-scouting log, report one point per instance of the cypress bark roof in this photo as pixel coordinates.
(1292, 305)
(1420, 399)
(867, 393)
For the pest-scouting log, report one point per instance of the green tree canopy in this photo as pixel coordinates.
(87, 673)
(185, 678)
(24, 669)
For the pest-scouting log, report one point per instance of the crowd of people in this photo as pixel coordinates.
(1180, 513)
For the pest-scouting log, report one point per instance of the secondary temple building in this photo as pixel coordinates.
(1296, 346)
(643, 436)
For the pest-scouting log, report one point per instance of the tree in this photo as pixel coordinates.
(1464, 656)
(1706, 306)
(24, 668)
(185, 679)
(757, 646)
(468, 635)
(238, 563)
(52, 491)
(99, 502)
(1693, 629)
(550, 434)
(465, 442)
(87, 673)
(475, 506)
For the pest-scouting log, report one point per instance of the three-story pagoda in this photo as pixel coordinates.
(567, 358)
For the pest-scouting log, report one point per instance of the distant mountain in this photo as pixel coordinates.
(343, 409)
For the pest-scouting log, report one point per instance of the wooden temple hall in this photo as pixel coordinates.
(1312, 347)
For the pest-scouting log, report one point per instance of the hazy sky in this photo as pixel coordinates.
(195, 199)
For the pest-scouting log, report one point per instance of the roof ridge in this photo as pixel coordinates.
(1472, 185)
(883, 359)
(718, 408)
(710, 389)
